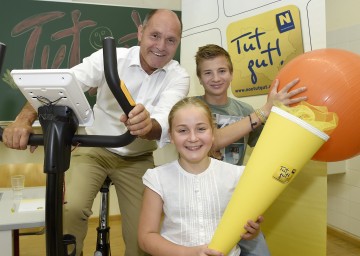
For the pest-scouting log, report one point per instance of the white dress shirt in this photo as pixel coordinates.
(158, 92)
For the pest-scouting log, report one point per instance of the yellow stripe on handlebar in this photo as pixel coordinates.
(126, 93)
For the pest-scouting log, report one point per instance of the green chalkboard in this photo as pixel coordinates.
(41, 34)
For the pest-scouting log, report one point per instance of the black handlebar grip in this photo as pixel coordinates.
(117, 86)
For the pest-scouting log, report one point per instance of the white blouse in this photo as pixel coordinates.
(193, 204)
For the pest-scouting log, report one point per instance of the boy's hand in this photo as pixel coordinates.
(286, 95)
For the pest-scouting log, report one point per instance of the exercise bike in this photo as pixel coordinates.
(59, 124)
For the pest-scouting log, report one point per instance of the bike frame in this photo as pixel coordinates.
(59, 125)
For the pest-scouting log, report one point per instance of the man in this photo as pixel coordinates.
(156, 83)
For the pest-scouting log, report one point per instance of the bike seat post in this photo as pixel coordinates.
(103, 238)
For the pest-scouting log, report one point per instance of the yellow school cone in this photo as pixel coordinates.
(286, 144)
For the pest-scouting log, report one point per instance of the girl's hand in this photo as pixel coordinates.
(204, 250)
(252, 228)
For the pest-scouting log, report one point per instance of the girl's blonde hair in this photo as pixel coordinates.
(190, 101)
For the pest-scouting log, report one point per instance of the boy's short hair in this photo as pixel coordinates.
(211, 51)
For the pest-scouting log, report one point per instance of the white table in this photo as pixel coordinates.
(11, 219)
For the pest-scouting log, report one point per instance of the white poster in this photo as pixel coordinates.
(261, 37)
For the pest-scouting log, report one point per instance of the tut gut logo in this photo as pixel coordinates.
(284, 174)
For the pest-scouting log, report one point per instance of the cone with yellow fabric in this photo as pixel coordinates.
(286, 144)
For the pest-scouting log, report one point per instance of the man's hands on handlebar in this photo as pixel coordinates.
(16, 135)
(139, 122)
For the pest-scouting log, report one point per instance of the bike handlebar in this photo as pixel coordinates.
(120, 92)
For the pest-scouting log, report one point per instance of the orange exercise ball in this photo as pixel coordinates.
(332, 78)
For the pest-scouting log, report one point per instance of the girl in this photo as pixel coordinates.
(192, 191)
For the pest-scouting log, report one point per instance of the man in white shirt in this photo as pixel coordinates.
(156, 82)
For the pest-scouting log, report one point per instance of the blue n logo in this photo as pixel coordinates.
(284, 21)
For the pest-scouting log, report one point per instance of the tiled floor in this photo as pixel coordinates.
(35, 245)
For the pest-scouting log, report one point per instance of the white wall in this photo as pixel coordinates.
(343, 31)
